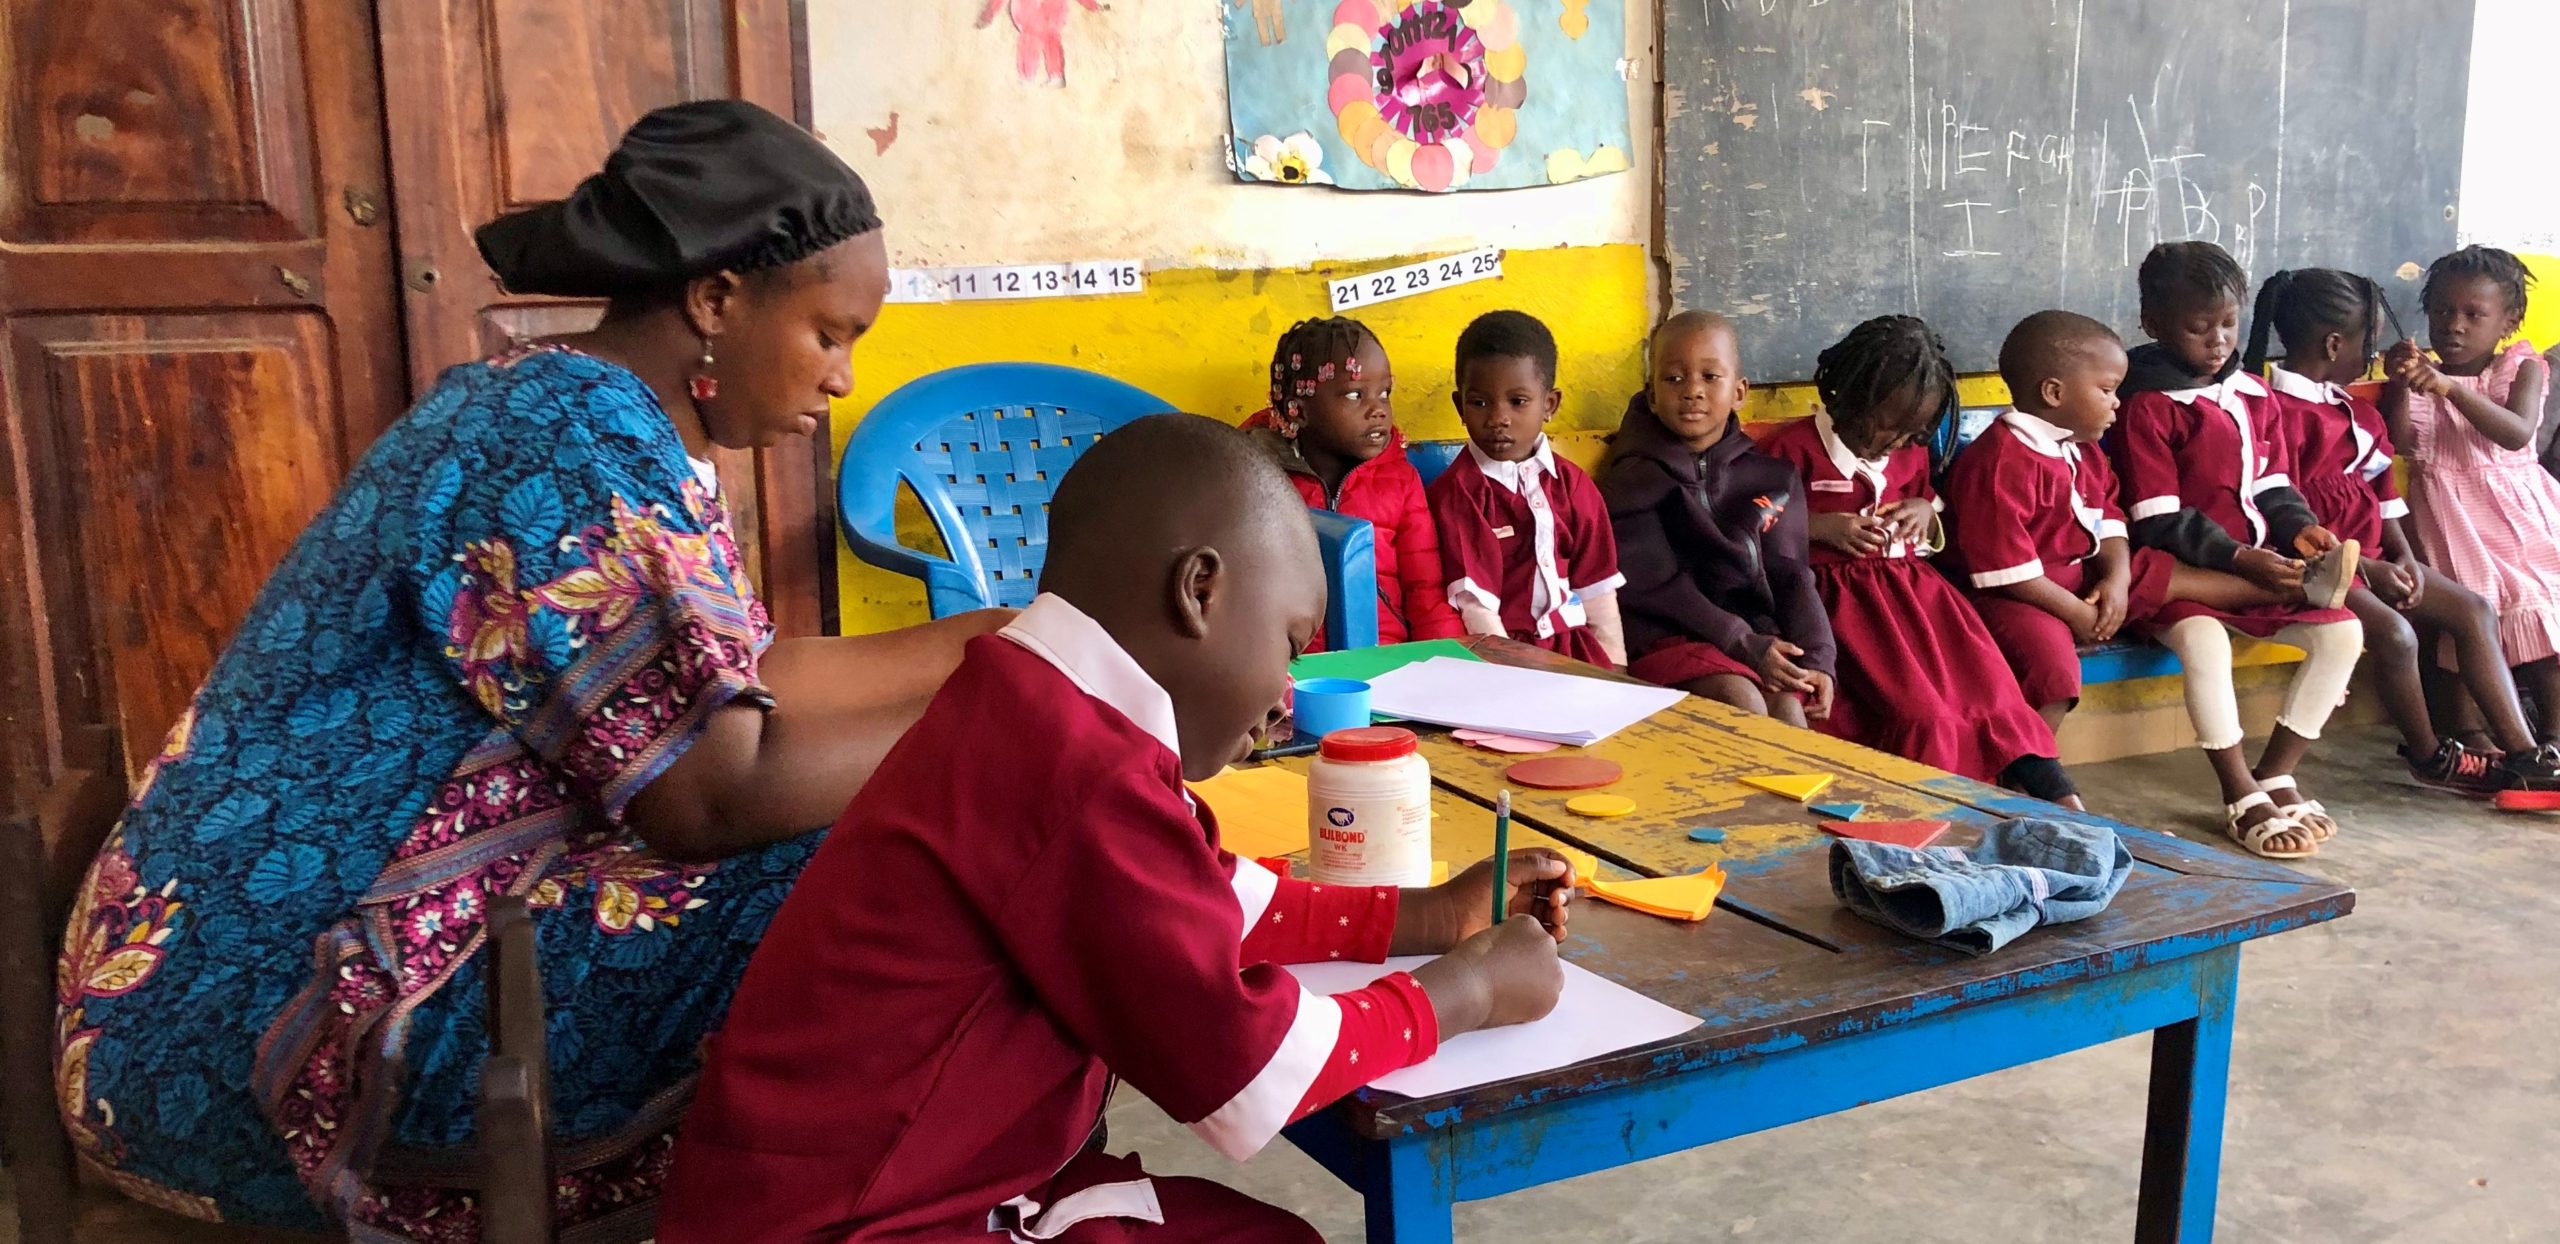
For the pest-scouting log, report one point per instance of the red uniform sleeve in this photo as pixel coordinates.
(1427, 614)
(1129, 927)
(1590, 553)
(1470, 554)
(1303, 922)
(2378, 473)
(2145, 447)
(2110, 494)
(1994, 490)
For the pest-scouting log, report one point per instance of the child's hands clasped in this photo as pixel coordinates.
(2400, 583)
(1909, 519)
(2268, 569)
(2106, 609)
(1855, 534)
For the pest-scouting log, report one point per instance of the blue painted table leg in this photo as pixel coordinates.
(2182, 1143)
(1408, 1194)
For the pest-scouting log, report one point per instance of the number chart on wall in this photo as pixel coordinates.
(1084, 278)
(1371, 288)
(1971, 161)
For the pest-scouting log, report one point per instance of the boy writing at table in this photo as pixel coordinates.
(1025, 906)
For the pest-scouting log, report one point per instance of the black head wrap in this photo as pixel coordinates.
(692, 189)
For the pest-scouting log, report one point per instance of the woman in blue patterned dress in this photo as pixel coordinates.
(517, 654)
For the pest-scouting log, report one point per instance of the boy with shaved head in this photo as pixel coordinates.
(1025, 906)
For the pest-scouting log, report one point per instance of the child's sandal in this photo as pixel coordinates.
(2254, 837)
(2309, 812)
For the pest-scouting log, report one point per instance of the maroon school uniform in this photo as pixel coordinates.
(2206, 472)
(1527, 541)
(2026, 502)
(1713, 547)
(2341, 457)
(1023, 905)
(1919, 677)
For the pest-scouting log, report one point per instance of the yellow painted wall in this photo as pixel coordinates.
(1201, 339)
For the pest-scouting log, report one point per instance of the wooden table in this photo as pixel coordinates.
(1807, 1009)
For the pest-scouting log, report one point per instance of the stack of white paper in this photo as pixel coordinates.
(1594, 1016)
(1529, 704)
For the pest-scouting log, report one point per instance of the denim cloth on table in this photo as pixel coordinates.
(2027, 872)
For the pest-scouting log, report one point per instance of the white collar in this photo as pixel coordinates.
(1508, 474)
(704, 472)
(2295, 384)
(1061, 634)
(2225, 394)
(1850, 465)
(2041, 435)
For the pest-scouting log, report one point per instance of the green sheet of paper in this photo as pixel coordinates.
(1364, 664)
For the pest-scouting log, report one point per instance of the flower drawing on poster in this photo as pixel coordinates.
(1428, 95)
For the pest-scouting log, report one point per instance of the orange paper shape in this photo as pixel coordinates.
(1687, 897)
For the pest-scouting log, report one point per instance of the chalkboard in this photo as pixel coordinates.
(1972, 161)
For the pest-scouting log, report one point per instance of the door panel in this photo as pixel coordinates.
(196, 295)
(499, 104)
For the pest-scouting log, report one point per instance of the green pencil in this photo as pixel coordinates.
(1501, 850)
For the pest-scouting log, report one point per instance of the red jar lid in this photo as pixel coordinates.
(1369, 743)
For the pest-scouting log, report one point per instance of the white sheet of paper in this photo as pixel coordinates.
(1594, 1016)
(1531, 704)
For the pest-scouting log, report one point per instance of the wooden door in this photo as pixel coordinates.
(196, 300)
(500, 104)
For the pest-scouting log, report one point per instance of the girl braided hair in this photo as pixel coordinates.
(1863, 370)
(1307, 355)
(2297, 304)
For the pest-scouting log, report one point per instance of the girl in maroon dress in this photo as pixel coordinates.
(1919, 676)
(2331, 324)
(2206, 472)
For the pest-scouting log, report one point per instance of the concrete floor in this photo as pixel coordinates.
(2395, 1079)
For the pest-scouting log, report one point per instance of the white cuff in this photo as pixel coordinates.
(2111, 529)
(2014, 574)
(1610, 584)
(2154, 507)
(2265, 482)
(2395, 507)
(1257, 1112)
(1254, 885)
(1464, 592)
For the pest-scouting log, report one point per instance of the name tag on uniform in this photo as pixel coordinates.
(1501, 533)
(1834, 485)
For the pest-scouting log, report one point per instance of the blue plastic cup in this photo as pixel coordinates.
(1320, 706)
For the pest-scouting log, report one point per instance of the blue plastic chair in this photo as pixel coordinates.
(1430, 458)
(984, 446)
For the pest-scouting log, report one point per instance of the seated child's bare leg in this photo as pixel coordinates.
(2053, 714)
(2448, 608)
(2391, 652)
(2543, 677)
(2220, 590)
(1788, 708)
(2231, 770)
(1733, 689)
(2451, 705)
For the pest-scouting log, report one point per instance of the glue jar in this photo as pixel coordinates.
(1369, 809)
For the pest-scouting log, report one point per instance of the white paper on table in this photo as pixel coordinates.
(1529, 704)
(1594, 1016)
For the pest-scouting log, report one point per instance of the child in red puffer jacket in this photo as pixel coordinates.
(1331, 426)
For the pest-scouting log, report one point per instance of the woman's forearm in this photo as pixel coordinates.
(755, 777)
